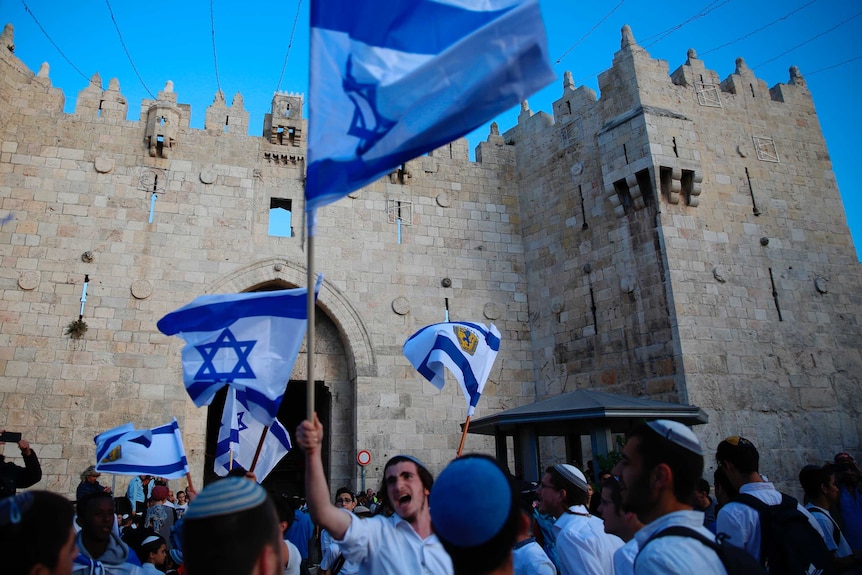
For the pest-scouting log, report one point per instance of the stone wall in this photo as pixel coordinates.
(619, 243)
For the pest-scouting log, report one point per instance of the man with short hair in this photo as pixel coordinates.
(703, 501)
(582, 545)
(621, 522)
(139, 492)
(659, 469)
(402, 543)
(13, 476)
(100, 548)
(740, 460)
(821, 492)
(330, 550)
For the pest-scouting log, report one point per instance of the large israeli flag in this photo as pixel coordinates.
(392, 80)
(239, 436)
(125, 450)
(467, 349)
(248, 341)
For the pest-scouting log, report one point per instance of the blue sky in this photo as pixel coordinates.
(174, 41)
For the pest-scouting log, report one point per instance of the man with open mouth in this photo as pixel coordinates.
(401, 543)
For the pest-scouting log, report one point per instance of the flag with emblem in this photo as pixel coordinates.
(125, 450)
(239, 436)
(467, 349)
(390, 82)
(248, 341)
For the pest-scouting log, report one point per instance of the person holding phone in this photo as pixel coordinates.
(13, 476)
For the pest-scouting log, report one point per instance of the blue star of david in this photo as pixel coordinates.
(226, 341)
(240, 425)
(367, 123)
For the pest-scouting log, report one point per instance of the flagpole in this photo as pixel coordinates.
(311, 223)
(259, 447)
(463, 437)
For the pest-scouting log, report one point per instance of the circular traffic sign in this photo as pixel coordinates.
(363, 457)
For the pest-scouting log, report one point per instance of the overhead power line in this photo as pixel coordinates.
(289, 44)
(807, 74)
(126, 50)
(215, 58)
(656, 38)
(54, 44)
(815, 37)
(593, 29)
(762, 28)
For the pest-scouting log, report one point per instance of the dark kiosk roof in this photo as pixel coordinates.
(582, 410)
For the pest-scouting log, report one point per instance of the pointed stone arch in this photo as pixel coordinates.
(330, 300)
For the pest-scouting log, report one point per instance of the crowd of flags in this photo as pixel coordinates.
(385, 87)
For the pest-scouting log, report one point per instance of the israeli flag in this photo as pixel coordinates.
(248, 341)
(391, 81)
(467, 349)
(125, 450)
(239, 436)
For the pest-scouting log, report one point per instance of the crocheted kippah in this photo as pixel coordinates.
(677, 433)
(225, 496)
(573, 475)
(408, 457)
(470, 502)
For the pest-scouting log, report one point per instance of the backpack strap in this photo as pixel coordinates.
(679, 531)
(836, 534)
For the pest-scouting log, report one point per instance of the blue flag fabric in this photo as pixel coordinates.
(248, 341)
(392, 81)
(239, 436)
(125, 450)
(467, 349)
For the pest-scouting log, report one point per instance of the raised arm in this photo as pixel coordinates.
(309, 436)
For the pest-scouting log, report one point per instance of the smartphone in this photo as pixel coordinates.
(10, 436)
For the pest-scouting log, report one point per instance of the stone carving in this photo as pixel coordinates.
(141, 289)
(491, 310)
(28, 280)
(401, 305)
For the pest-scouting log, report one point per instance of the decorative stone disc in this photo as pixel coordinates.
(28, 280)
(491, 310)
(142, 289)
(103, 165)
(208, 176)
(443, 200)
(401, 305)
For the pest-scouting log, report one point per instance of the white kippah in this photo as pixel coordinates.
(573, 475)
(678, 433)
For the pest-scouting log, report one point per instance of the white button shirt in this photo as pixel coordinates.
(389, 546)
(674, 555)
(583, 547)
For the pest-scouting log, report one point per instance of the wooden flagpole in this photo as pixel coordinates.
(259, 448)
(463, 437)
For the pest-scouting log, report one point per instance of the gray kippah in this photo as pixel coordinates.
(573, 475)
(678, 433)
(225, 496)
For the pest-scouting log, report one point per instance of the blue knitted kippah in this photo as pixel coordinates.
(225, 496)
(470, 502)
(677, 433)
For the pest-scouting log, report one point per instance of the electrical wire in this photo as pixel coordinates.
(593, 29)
(807, 74)
(215, 58)
(54, 44)
(809, 40)
(126, 50)
(714, 5)
(289, 44)
(753, 32)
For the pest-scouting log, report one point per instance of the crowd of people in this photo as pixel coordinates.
(653, 513)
